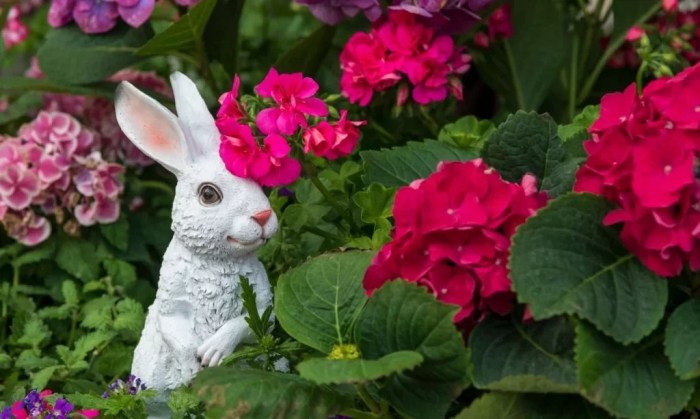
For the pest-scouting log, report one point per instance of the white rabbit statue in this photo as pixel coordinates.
(219, 220)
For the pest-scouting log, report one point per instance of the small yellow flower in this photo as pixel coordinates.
(344, 352)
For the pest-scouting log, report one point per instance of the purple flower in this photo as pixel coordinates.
(6, 413)
(98, 16)
(61, 409)
(333, 11)
(34, 405)
(447, 16)
(132, 386)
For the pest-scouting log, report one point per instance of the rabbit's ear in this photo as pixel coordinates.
(195, 119)
(151, 127)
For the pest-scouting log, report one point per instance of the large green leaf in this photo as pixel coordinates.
(683, 340)
(318, 302)
(183, 35)
(400, 166)
(563, 260)
(531, 406)
(23, 84)
(338, 371)
(527, 143)
(519, 68)
(307, 54)
(404, 317)
(629, 381)
(539, 357)
(221, 33)
(235, 393)
(70, 56)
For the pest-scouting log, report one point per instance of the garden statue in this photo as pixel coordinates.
(218, 220)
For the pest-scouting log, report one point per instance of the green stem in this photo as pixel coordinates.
(313, 176)
(367, 399)
(15, 277)
(371, 123)
(429, 122)
(609, 51)
(73, 328)
(573, 78)
(640, 77)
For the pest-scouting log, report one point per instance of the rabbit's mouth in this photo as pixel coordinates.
(255, 242)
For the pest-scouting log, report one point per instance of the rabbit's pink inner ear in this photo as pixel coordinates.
(151, 127)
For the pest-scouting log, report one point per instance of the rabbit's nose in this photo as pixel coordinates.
(262, 217)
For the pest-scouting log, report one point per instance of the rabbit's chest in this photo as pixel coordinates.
(216, 296)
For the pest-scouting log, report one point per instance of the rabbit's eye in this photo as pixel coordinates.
(209, 194)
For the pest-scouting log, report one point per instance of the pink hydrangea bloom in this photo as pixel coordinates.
(642, 157)
(14, 31)
(402, 47)
(452, 236)
(294, 97)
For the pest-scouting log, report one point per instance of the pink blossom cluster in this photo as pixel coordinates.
(292, 102)
(98, 114)
(53, 167)
(14, 31)
(453, 234)
(498, 26)
(400, 50)
(643, 157)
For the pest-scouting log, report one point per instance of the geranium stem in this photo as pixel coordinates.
(367, 399)
(313, 176)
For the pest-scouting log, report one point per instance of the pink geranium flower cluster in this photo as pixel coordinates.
(53, 168)
(453, 234)
(14, 31)
(643, 157)
(284, 122)
(402, 51)
(498, 26)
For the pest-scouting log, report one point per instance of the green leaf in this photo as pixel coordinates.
(183, 400)
(306, 55)
(525, 143)
(221, 34)
(231, 392)
(468, 133)
(130, 316)
(20, 107)
(70, 293)
(534, 358)
(78, 258)
(318, 302)
(256, 324)
(682, 342)
(375, 202)
(563, 260)
(42, 377)
(22, 84)
(573, 134)
(29, 361)
(629, 13)
(338, 371)
(183, 35)
(122, 273)
(117, 233)
(44, 251)
(404, 317)
(34, 332)
(5, 360)
(497, 405)
(73, 57)
(400, 166)
(518, 67)
(629, 381)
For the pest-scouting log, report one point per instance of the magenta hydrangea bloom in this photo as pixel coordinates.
(334, 11)
(98, 16)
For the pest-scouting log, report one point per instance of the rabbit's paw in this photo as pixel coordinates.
(215, 349)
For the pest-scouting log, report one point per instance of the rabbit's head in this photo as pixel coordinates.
(215, 213)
